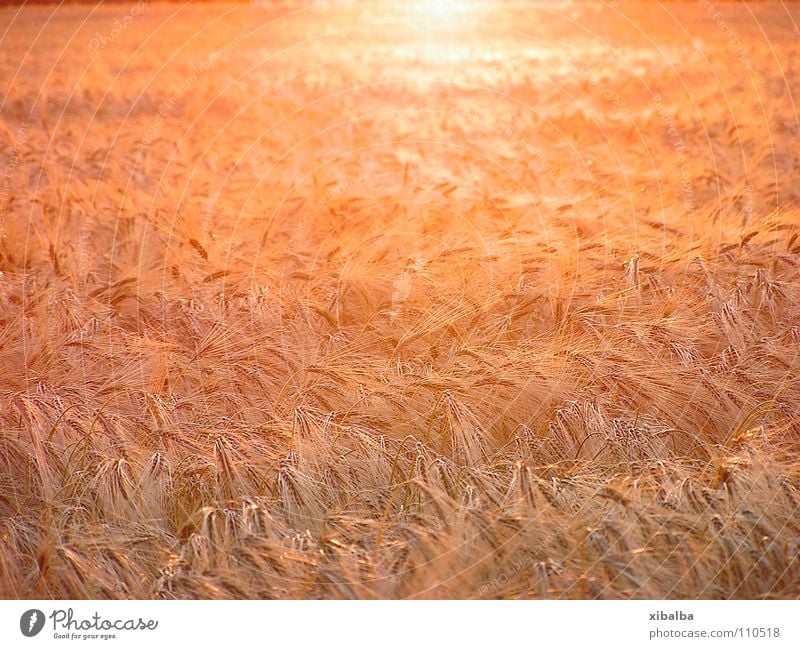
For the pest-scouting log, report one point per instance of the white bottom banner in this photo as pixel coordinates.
(414, 624)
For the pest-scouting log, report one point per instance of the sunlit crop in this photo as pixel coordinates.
(328, 300)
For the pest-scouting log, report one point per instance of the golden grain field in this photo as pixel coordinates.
(400, 300)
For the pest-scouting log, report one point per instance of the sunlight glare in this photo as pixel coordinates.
(440, 10)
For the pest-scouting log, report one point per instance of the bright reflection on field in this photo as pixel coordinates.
(442, 10)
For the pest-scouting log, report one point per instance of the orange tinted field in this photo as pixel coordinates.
(344, 301)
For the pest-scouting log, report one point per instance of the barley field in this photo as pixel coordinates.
(400, 300)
